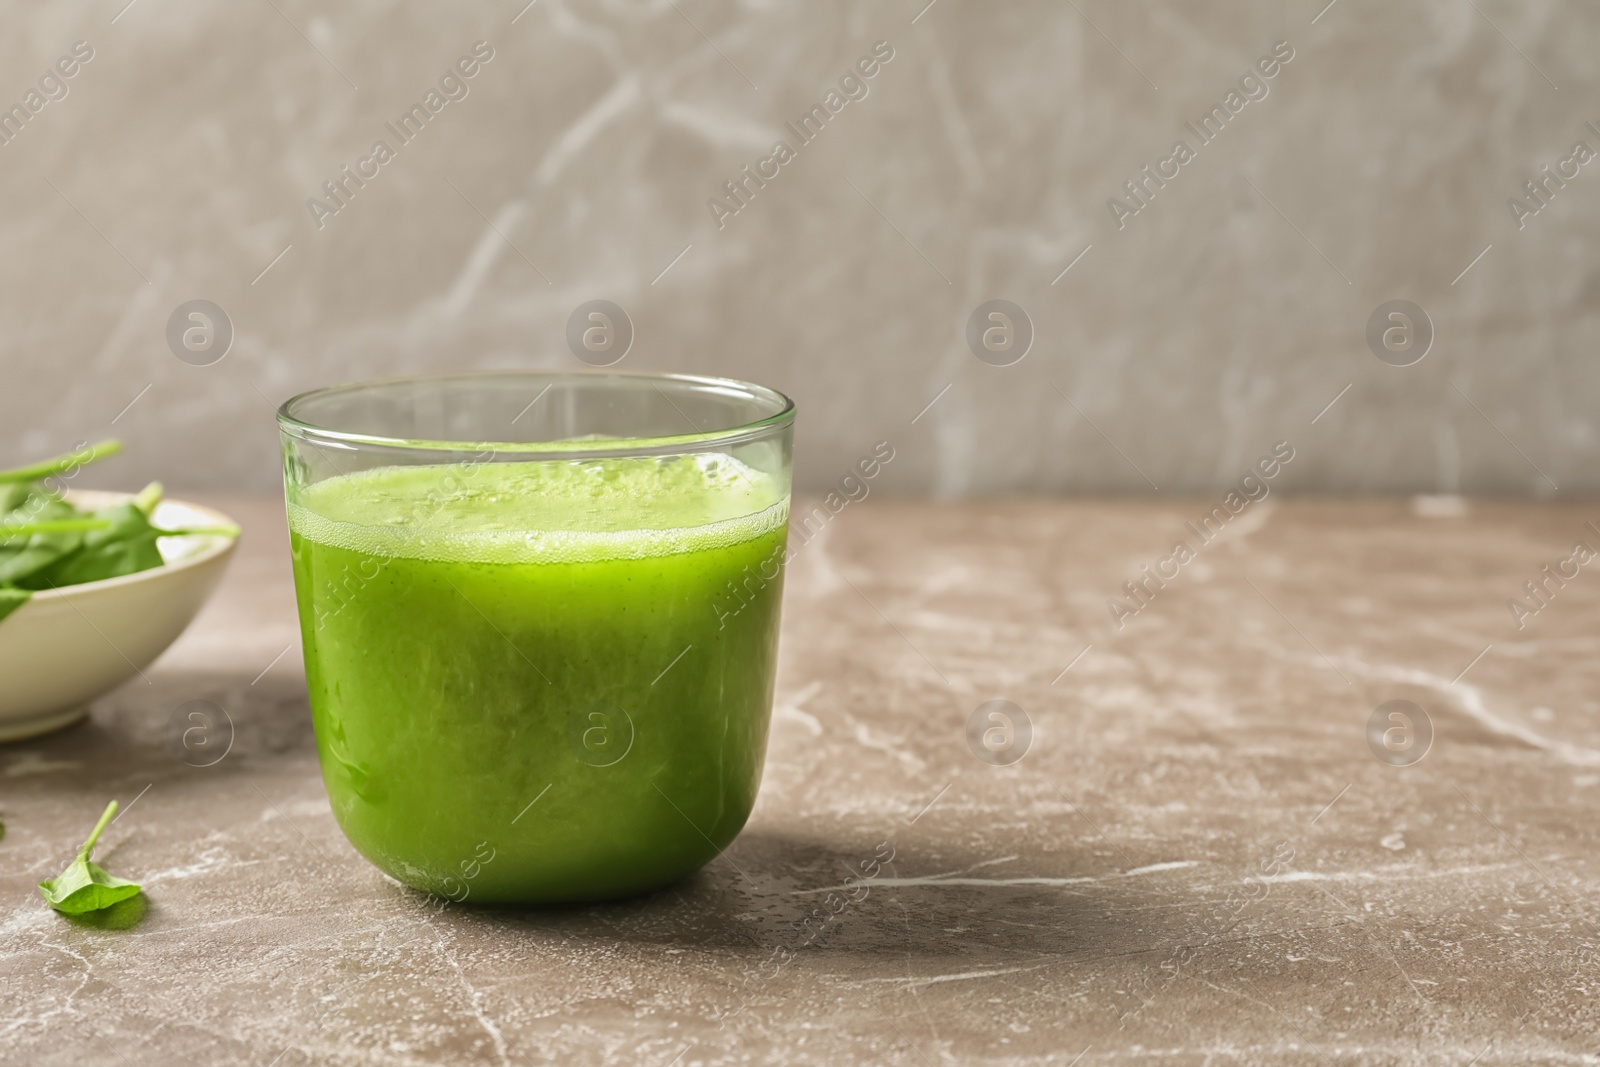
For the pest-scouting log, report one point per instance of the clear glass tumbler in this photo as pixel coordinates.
(540, 618)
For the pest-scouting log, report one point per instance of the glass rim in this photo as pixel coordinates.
(567, 448)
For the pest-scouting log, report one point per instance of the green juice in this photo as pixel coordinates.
(544, 681)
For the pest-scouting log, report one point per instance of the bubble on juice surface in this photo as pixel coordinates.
(544, 511)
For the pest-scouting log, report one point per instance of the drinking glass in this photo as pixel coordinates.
(540, 620)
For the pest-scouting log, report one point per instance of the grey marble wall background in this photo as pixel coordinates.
(1224, 316)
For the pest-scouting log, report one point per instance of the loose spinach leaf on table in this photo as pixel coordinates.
(85, 886)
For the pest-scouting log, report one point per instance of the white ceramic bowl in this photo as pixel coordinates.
(66, 646)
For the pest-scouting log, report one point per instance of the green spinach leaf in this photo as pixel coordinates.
(67, 463)
(85, 886)
(27, 553)
(126, 545)
(46, 542)
(11, 599)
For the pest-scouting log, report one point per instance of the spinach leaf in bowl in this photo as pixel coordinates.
(46, 542)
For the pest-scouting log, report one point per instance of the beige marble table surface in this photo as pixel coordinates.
(1200, 858)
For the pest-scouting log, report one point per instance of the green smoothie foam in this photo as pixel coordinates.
(486, 637)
